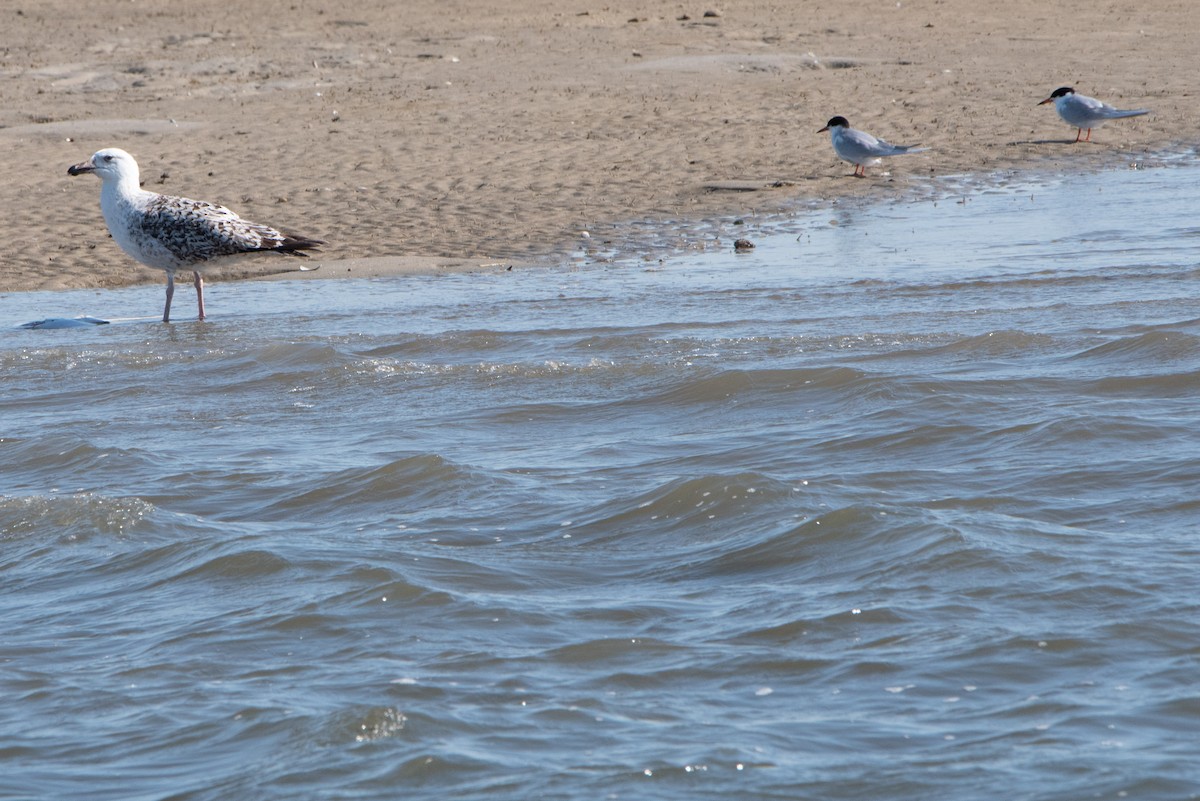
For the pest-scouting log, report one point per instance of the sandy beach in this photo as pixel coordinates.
(438, 135)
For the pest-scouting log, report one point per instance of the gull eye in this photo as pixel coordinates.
(108, 158)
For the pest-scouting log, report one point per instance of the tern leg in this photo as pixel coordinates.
(199, 284)
(170, 294)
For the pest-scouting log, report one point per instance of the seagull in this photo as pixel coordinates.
(174, 233)
(859, 147)
(1082, 111)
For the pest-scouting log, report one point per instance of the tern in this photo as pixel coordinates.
(859, 147)
(1082, 111)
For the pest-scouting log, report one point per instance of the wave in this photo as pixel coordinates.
(70, 516)
(704, 387)
(1148, 348)
(391, 490)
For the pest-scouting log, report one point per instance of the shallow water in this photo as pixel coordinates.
(899, 505)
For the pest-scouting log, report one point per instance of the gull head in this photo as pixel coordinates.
(836, 122)
(111, 164)
(1061, 91)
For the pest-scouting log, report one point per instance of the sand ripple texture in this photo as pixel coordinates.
(502, 130)
(900, 505)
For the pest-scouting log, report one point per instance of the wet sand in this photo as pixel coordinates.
(447, 136)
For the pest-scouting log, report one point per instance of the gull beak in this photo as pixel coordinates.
(81, 167)
(1047, 100)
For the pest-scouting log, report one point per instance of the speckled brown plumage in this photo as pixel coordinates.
(172, 233)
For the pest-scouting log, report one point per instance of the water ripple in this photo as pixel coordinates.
(902, 507)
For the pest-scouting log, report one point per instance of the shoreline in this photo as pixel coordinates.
(706, 234)
(714, 230)
(713, 234)
(656, 241)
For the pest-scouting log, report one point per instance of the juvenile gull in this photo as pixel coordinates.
(859, 147)
(1080, 111)
(175, 233)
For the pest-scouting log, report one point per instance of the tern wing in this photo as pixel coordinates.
(863, 145)
(1098, 109)
(888, 149)
(1116, 113)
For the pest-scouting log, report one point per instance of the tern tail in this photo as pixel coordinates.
(1117, 113)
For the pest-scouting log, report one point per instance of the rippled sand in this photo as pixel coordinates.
(501, 132)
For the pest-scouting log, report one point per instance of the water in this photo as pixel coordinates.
(900, 505)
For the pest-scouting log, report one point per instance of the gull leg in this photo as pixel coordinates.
(199, 284)
(170, 294)
(1088, 138)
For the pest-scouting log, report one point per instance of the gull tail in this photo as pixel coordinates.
(295, 244)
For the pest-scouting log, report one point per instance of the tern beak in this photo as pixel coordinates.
(80, 168)
(823, 130)
(1047, 100)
